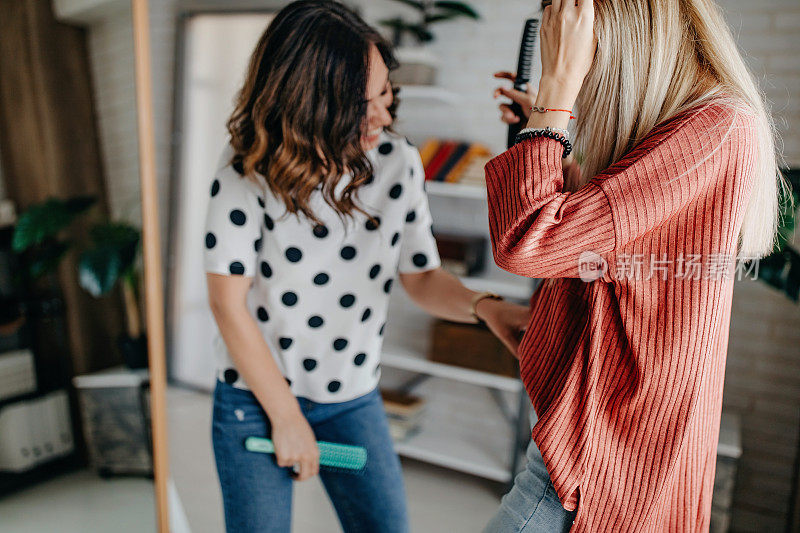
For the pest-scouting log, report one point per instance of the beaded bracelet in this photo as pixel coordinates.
(532, 134)
(562, 131)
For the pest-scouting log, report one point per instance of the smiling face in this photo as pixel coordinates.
(379, 99)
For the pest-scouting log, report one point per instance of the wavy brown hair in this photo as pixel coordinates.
(299, 117)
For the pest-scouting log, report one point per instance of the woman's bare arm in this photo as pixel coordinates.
(293, 438)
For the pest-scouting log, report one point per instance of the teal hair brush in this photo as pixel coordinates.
(344, 456)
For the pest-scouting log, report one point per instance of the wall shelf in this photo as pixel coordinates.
(455, 190)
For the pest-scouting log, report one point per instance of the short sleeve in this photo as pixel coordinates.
(233, 232)
(418, 252)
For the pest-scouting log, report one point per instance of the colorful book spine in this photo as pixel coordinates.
(438, 160)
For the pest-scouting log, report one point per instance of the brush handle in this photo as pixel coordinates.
(331, 454)
(524, 66)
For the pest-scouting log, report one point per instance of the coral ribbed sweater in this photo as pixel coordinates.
(625, 372)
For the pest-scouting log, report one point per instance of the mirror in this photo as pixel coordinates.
(473, 416)
(82, 417)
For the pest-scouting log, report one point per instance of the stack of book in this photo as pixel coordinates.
(454, 161)
(404, 411)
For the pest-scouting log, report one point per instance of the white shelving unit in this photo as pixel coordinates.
(462, 430)
(473, 420)
(455, 190)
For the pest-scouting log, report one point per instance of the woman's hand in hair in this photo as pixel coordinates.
(568, 46)
(524, 99)
(295, 445)
(506, 320)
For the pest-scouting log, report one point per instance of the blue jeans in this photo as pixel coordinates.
(257, 493)
(531, 506)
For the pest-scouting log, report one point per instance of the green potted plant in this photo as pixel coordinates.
(417, 64)
(111, 259)
(781, 269)
(40, 241)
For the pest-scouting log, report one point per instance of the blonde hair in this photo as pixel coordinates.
(688, 57)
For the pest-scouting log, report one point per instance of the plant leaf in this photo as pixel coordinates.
(461, 8)
(46, 219)
(788, 216)
(421, 33)
(395, 23)
(46, 258)
(781, 270)
(440, 17)
(413, 3)
(111, 255)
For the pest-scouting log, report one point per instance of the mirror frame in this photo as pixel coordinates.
(153, 277)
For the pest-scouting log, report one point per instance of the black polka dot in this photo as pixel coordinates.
(339, 344)
(321, 279)
(387, 287)
(359, 359)
(369, 180)
(285, 342)
(395, 191)
(367, 313)
(236, 268)
(315, 321)
(231, 375)
(348, 252)
(380, 331)
(347, 300)
(334, 386)
(268, 222)
(215, 188)
(238, 217)
(420, 260)
(411, 172)
(385, 148)
(411, 216)
(288, 381)
(377, 370)
(257, 245)
(289, 298)
(320, 231)
(266, 270)
(309, 364)
(261, 202)
(374, 271)
(373, 223)
(262, 314)
(211, 240)
(395, 238)
(294, 254)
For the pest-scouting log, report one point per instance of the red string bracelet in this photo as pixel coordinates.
(545, 110)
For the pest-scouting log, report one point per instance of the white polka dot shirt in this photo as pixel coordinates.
(320, 292)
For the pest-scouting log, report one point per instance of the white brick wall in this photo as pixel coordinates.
(763, 376)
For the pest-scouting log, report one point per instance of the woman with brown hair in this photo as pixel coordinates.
(316, 208)
(624, 357)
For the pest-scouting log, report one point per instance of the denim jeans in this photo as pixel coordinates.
(531, 506)
(257, 493)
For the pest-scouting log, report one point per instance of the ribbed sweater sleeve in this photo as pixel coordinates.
(540, 231)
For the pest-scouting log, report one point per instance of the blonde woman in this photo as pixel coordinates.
(624, 356)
